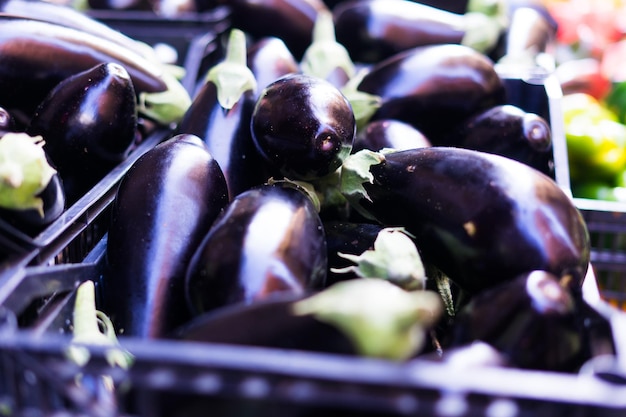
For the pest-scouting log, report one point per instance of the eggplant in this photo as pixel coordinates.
(480, 218)
(303, 126)
(531, 320)
(165, 204)
(37, 55)
(224, 123)
(374, 30)
(66, 15)
(509, 131)
(390, 134)
(270, 240)
(393, 326)
(435, 87)
(32, 195)
(290, 20)
(89, 124)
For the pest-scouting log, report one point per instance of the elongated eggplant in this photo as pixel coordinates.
(37, 55)
(480, 218)
(66, 15)
(269, 240)
(164, 205)
(509, 131)
(532, 320)
(390, 134)
(374, 30)
(290, 20)
(434, 87)
(303, 126)
(224, 122)
(89, 124)
(31, 192)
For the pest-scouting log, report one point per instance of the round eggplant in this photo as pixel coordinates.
(304, 126)
(164, 206)
(480, 218)
(269, 240)
(89, 124)
(269, 59)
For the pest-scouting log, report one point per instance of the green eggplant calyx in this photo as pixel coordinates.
(381, 319)
(165, 107)
(24, 172)
(364, 105)
(232, 76)
(355, 172)
(93, 328)
(325, 55)
(481, 31)
(394, 258)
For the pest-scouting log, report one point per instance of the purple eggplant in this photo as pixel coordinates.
(374, 30)
(270, 240)
(89, 124)
(164, 206)
(531, 320)
(220, 114)
(390, 134)
(478, 217)
(290, 20)
(269, 59)
(509, 131)
(303, 126)
(434, 87)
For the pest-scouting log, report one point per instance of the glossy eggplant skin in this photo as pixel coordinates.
(532, 320)
(89, 125)
(37, 55)
(303, 126)
(478, 217)
(434, 87)
(389, 133)
(374, 30)
(290, 20)
(269, 58)
(164, 205)
(270, 240)
(226, 133)
(509, 131)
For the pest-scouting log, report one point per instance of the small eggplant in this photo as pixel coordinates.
(374, 30)
(290, 20)
(31, 193)
(434, 87)
(164, 205)
(390, 134)
(269, 240)
(478, 217)
(220, 114)
(303, 126)
(89, 124)
(509, 131)
(531, 320)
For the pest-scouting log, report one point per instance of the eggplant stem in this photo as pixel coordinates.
(232, 77)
